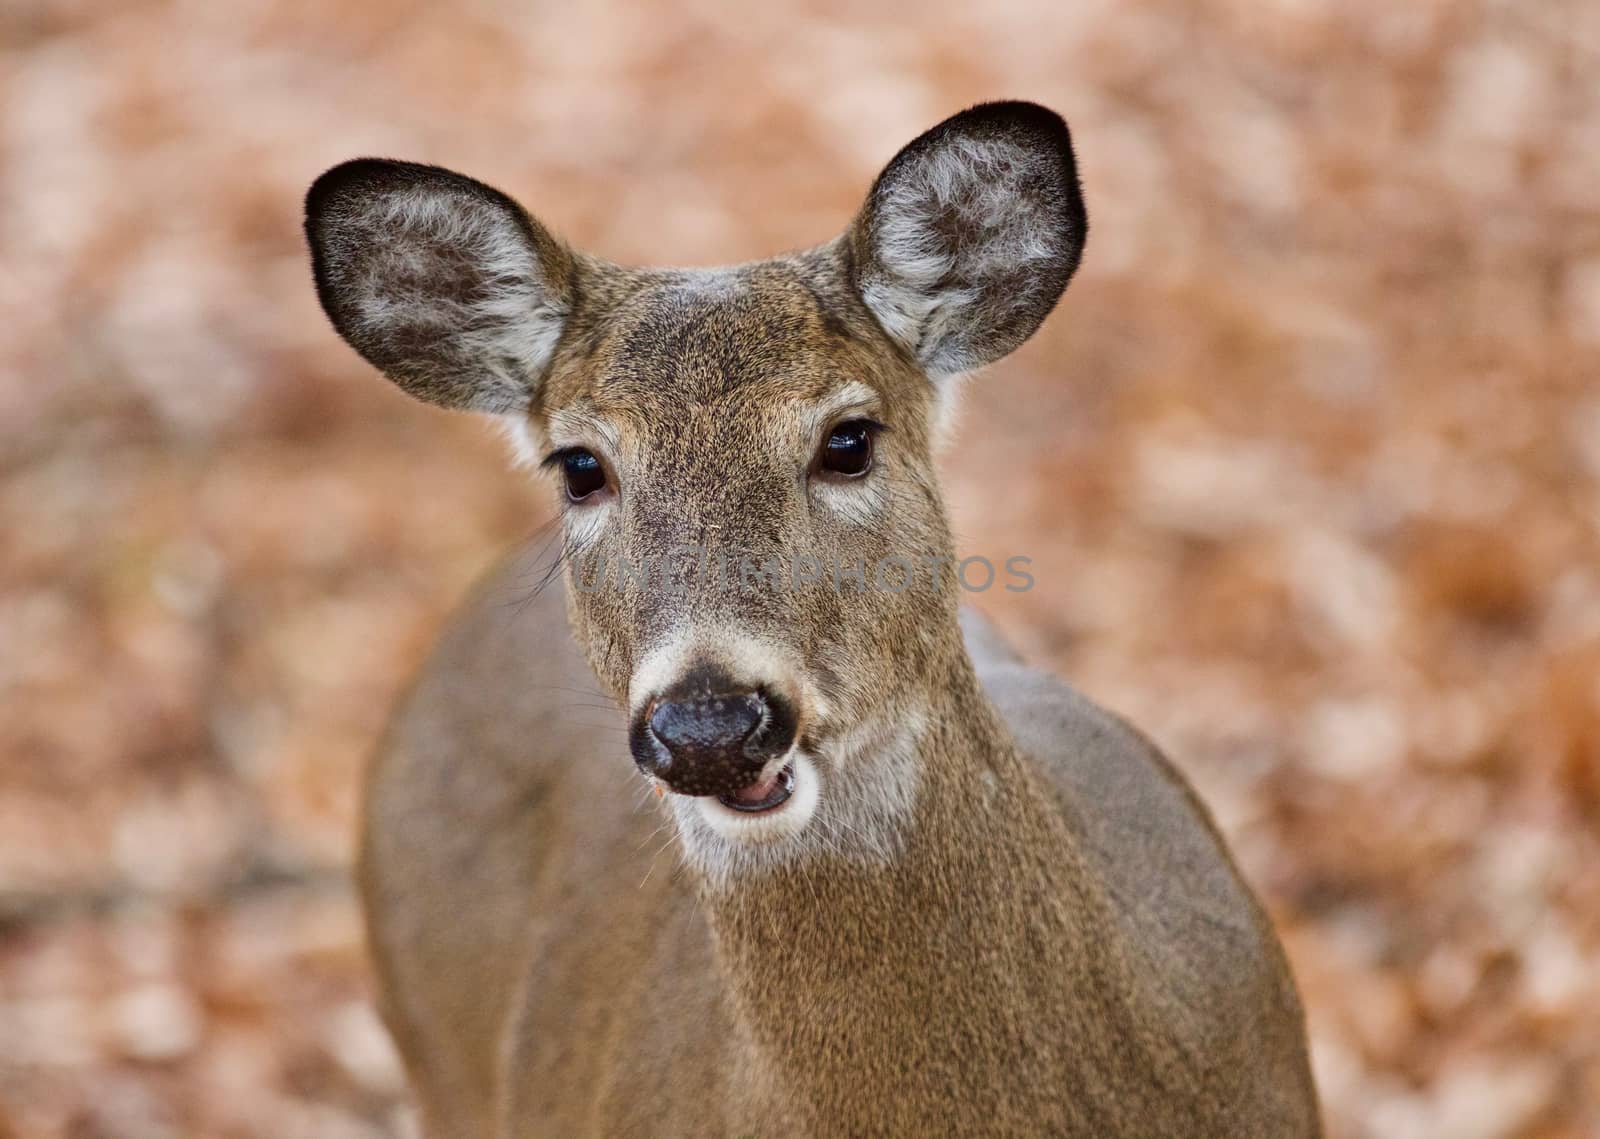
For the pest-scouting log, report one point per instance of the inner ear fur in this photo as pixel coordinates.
(970, 235)
(443, 283)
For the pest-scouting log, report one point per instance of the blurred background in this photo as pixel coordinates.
(1308, 463)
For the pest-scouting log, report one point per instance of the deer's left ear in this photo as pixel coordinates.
(970, 235)
(443, 283)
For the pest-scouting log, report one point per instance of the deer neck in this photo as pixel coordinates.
(937, 954)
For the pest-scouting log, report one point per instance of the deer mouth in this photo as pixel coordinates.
(771, 811)
(766, 794)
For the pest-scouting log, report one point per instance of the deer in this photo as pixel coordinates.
(916, 886)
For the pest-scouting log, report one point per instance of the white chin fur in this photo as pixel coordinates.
(872, 790)
(747, 829)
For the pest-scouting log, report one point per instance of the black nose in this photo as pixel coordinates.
(711, 738)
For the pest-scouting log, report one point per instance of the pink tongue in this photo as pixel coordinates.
(757, 791)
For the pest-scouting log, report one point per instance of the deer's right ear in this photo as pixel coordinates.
(444, 284)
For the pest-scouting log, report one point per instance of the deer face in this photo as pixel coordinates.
(755, 546)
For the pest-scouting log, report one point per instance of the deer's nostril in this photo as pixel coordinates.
(713, 722)
(711, 743)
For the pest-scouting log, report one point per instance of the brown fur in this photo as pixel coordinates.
(1029, 925)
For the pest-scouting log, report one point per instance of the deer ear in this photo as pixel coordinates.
(441, 282)
(970, 234)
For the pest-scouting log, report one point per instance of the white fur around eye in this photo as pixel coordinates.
(584, 524)
(859, 501)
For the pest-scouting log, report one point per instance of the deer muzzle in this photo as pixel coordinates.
(710, 736)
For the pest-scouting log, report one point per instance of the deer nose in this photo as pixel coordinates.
(709, 742)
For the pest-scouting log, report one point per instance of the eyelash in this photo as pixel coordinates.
(554, 459)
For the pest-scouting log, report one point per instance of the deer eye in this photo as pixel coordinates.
(583, 473)
(848, 450)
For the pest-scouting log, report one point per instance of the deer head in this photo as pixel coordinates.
(756, 542)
